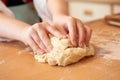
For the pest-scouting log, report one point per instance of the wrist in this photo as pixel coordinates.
(22, 35)
(57, 15)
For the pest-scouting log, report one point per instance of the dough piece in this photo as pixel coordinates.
(63, 53)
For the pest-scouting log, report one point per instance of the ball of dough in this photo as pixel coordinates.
(63, 53)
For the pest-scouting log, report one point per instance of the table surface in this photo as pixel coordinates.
(17, 64)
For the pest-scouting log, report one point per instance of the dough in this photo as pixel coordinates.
(63, 53)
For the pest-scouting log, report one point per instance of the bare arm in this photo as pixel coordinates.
(58, 7)
(36, 36)
(11, 28)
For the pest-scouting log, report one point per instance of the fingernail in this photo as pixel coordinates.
(87, 44)
(64, 36)
(50, 48)
(40, 52)
(45, 50)
(74, 43)
(81, 45)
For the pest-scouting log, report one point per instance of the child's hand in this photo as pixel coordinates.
(79, 33)
(37, 37)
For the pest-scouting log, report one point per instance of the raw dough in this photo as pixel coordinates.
(63, 53)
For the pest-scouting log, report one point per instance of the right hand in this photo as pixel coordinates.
(37, 37)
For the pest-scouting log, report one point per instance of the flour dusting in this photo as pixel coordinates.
(108, 43)
(2, 61)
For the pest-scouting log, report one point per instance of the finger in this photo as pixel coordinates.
(38, 41)
(88, 34)
(72, 31)
(54, 31)
(44, 37)
(34, 46)
(81, 34)
(60, 28)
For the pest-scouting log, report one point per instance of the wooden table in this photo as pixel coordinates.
(17, 64)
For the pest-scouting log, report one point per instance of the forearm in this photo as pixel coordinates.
(57, 7)
(11, 28)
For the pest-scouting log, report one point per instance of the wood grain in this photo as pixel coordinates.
(18, 64)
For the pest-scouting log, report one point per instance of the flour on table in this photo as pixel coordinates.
(2, 61)
(5, 40)
(63, 53)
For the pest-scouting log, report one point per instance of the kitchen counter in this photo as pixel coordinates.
(17, 64)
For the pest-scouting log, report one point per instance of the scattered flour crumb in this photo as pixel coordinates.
(27, 49)
(2, 61)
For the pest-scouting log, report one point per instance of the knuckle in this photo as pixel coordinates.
(71, 19)
(81, 41)
(73, 39)
(46, 40)
(30, 32)
(31, 29)
(38, 40)
(81, 25)
(45, 22)
(42, 34)
(36, 24)
(73, 33)
(36, 27)
(78, 20)
(54, 28)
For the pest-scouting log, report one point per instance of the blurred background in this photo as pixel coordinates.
(85, 10)
(89, 10)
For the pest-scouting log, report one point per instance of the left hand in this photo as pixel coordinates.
(79, 33)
